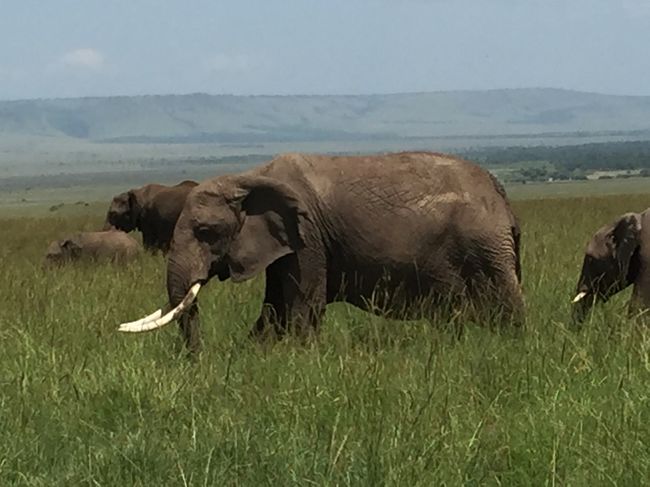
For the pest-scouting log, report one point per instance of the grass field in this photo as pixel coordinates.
(569, 189)
(374, 402)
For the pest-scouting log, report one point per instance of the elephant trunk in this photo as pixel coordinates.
(110, 222)
(581, 305)
(587, 293)
(186, 273)
(183, 281)
(178, 280)
(188, 263)
(108, 226)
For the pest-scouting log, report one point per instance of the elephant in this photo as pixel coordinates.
(112, 245)
(153, 209)
(381, 232)
(617, 256)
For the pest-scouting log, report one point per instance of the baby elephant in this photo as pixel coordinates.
(617, 256)
(113, 245)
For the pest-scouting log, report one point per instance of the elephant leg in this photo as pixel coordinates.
(510, 304)
(162, 238)
(149, 237)
(305, 303)
(295, 295)
(148, 242)
(502, 299)
(271, 314)
(640, 300)
(515, 309)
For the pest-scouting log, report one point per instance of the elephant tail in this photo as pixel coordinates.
(514, 228)
(516, 237)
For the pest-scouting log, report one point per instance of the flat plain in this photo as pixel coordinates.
(372, 402)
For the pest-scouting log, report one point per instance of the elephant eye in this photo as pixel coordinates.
(206, 233)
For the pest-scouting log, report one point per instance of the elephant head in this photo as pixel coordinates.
(611, 263)
(60, 251)
(123, 212)
(230, 227)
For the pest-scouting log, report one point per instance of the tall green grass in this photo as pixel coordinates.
(372, 402)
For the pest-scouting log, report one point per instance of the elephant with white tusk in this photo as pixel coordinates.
(617, 256)
(382, 232)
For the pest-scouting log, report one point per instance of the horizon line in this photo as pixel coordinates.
(317, 95)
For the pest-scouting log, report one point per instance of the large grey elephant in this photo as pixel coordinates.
(113, 245)
(153, 209)
(381, 232)
(617, 256)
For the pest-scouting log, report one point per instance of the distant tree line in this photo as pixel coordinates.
(538, 163)
(566, 162)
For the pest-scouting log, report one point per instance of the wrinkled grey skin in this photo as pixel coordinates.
(152, 209)
(379, 232)
(113, 245)
(617, 256)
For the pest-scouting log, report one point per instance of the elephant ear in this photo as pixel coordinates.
(124, 208)
(135, 207)
(626, 239)
(70, 248)
(272, 216)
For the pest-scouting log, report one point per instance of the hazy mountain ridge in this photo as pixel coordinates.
(198, 118)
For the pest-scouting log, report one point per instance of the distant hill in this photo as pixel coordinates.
(221, 119)
(143, 134)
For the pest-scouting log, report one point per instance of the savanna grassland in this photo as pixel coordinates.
(373, 402)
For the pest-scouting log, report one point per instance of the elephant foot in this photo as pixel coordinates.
(264, 332)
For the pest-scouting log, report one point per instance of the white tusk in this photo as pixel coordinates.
(579, 297)
(135, 324)
(159, 322)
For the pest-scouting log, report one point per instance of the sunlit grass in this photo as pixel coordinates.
(372, 402)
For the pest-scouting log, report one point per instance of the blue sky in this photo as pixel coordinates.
(64, 48)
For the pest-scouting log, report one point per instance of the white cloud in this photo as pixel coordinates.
(84, 58)
(228, 63)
